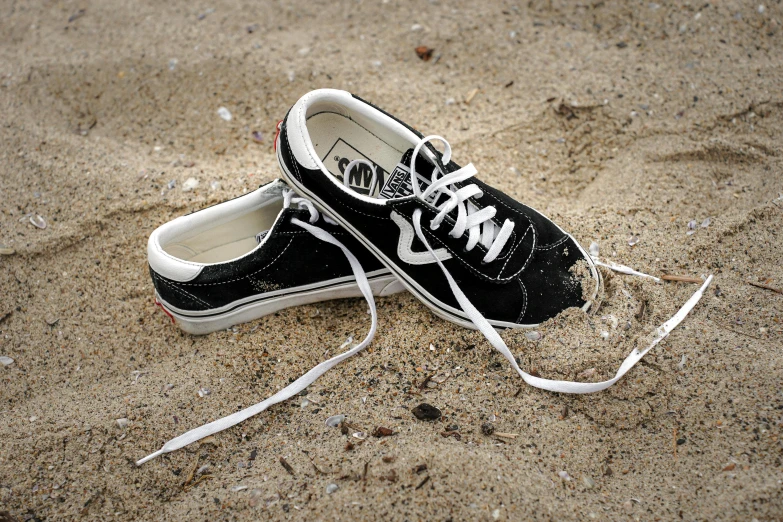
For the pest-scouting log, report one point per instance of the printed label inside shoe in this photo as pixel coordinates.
(360, 177)
(399, 185)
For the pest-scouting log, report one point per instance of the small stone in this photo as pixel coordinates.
(681, 441)
(214, 185)
(588, 373)
(495, 514)
(335, 420)
(123, 423)
(381, 431)
(172, 64)
(487, 429)
(6, 250)
(5, 361)
(564, 475)
(37, 221)
(305, 403)
(588, 482)
(331, 488)
(604, 334)
(238, 488)
(416, 27)
(360, 435)
(426, 411)
(633, 240)
(203, 392)
(224, 114)
(594, 249)
(304, 51)
(706, 223)
(533, 335)
(257, 137)
(189, 184)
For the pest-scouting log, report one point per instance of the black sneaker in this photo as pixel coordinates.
(244, 258)
(514, 265)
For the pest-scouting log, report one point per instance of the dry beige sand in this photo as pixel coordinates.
(617, 119)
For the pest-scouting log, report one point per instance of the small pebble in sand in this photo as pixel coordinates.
(123, 423)
(214, 185)
(203, 392)
(173, 64)
(171, 184)
(487, 428)
(305, 403)
(360, 435)
(533, 335)
(450, 101)
(633, 240)
(692, 224)
(681, 364)
(238, 488)
(224, 114)
(304, 51)
(426, 411)
(604, 334)
(257, 137)
(6, 250)
(331, 488)
(5, 360)
(335, 420)
(189, 184)
(588, 482)
(382, 431)
(706, 223)
(594, 249)
(564, 475)
(496, 514)
(37, 221)
(586, 374)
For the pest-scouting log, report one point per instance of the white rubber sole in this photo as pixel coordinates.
(439, 308)
(200, 323)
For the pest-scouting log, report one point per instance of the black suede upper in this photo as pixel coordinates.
(291, 257)
(529, 282)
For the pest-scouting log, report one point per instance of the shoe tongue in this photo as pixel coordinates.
(398, 183)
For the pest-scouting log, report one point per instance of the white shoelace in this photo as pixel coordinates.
(305, 380)
(475, 316)
(444, 185)
(478, 223)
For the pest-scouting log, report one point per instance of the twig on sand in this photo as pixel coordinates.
(287, 466)
(682, 278)
(506, 435)
(732, 330)
(766, 287)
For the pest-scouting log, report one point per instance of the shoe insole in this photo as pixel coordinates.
(228, 240)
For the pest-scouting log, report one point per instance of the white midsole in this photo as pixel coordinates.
(381, 286)
(442, 310)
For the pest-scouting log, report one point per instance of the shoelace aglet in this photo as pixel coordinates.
(151, 456)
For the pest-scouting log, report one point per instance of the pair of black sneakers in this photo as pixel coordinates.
(369, 206)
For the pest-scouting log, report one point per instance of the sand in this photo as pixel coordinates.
(616, 119)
